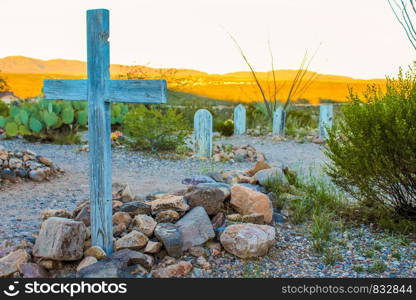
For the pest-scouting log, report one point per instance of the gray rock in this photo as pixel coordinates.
(170, 236)
(216, 176)
(266, 175)
(195, 228)
(136, 208)
(197, 179)
(38, 175)
(210, 197)
(60, 239)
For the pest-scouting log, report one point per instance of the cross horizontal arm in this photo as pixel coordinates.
(133, 91)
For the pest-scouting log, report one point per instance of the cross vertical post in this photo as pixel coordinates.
(100, 91)
(98, 54)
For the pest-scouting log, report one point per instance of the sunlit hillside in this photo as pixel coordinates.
(25, 77)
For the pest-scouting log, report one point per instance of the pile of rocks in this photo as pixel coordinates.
(160, 235)
(18, 165)
(235, 153)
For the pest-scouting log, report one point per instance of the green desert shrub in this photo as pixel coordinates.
(226, 128)
(47, 121)
(4, 109)
(372, 150)
(154, 130)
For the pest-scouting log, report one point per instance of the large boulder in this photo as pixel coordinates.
(247, 201)
(248, 240)
(209, 196)
(195, 228)
(172, 202)
(170, 236)
(60, 239)
(272, 174)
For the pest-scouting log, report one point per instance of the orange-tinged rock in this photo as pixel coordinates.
(248, 240)
(121, 218)
(247, 201)
(176, 270)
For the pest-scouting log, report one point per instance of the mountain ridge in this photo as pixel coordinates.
(29, 65)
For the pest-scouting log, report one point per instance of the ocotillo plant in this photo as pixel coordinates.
(298, 86)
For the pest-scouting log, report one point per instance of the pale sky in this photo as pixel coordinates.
(360, 38)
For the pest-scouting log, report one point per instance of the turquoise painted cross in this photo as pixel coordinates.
(99, 90)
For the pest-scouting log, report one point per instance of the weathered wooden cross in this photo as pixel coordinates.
(99, 90)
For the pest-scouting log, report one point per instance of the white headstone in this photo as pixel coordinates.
(239, 120)
(203, 133)
(279, 121)
(325, 120)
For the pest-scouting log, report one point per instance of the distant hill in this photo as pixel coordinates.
(27, 65)
(25, 76)
(290, 75)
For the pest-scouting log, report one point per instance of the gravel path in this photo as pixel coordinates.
(21, 204)
(292, 256)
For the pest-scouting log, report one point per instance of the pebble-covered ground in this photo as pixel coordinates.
(358, 252)
(357, 249)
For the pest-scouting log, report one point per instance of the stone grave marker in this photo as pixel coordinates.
(279, 122)
(239, 120)
(203, 133)
(325, 120)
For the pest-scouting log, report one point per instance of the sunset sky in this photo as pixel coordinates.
(358, 38)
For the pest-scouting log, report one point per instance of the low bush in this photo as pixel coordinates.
(154, 130)
(372, 150)
(4, 109)
(226, 128)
